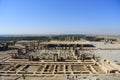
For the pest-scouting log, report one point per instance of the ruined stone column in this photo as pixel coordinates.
(30, 58)
(55, 57)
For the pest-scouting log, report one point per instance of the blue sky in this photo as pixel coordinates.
(59, 16)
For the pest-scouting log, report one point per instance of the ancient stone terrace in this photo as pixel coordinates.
(19, 67)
